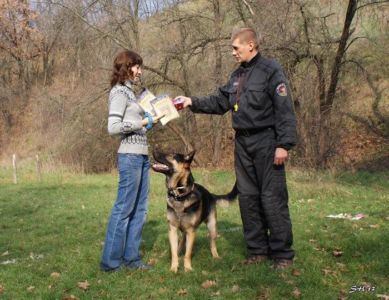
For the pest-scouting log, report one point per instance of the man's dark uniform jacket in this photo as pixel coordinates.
(260, 106)
(263, 118)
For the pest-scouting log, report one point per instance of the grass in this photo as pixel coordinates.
(59, 226)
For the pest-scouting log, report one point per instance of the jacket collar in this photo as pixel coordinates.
(252, 62)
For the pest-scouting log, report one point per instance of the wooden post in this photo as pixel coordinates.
(38, 168)
(14, 167)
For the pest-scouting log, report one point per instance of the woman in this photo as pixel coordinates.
(128, 119)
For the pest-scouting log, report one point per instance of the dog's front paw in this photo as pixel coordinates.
(188, 269)
(188, 265)
(174, 268)
(214, 253)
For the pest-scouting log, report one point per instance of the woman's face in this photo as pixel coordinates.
(136, 72)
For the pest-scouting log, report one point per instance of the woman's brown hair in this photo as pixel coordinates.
(122, 65)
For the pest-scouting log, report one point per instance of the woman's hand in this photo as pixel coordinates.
(155, 118)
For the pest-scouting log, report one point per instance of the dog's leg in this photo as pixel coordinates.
(173, 239)
(181, 244)
(190, 237)
(211, 224)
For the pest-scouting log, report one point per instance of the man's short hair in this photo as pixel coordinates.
(245, 35)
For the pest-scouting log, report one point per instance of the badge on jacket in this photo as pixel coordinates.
(282, 90)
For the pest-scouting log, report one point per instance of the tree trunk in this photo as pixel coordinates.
(351, 9)
(217, 121)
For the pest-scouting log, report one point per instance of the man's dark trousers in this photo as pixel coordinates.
(263, 195)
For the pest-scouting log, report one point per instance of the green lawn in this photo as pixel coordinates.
(59, 226)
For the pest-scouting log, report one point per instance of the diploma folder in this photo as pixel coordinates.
(161, 105)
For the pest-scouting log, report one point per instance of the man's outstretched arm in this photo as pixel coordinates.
(215, 104)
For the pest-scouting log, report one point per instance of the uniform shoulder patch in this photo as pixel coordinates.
(281, 90)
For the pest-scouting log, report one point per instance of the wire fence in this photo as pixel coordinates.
(35, 169)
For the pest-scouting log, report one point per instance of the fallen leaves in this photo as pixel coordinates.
(328, 272)
(30, 288)
(182, 292)
(337, 253)
(84, 285)
(55, 274)
(1, 289)
(208, 284)
(5, 253)
(375, 226)
(296, 272)
(235, 288)
(381, 296)
(296, 293)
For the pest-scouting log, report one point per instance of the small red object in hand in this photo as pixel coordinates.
(179, 103)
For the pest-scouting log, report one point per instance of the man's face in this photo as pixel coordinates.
(242, 51)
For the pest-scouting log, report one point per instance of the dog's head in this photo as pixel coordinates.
(175, 166)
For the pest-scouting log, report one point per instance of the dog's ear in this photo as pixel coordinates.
(189, 157)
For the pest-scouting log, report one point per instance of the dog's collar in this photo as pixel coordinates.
(176, 194)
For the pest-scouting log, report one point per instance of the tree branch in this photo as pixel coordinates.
(166, 77)
(248, 6)
(372, 3)
(116, 40)
(377, 93)
(368, 124)
(355, 39)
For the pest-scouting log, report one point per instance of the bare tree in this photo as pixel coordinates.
(19, 37)
(314, 48)
(378, 123)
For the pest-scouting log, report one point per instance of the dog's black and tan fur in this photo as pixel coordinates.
(188, 204)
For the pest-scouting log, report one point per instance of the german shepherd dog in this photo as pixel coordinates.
(188, 204)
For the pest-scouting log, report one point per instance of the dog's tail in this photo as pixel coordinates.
(224, 200)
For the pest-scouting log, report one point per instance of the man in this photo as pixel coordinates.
(265, 125)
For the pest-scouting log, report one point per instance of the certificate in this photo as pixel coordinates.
(163, 105)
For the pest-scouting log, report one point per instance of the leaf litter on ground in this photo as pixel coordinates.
(84, 285)
(182, 292)
(55, 274)
(208, 284)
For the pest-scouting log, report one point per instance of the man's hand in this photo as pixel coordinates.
(187, 100)
(280, 156)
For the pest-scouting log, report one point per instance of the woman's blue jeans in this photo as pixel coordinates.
(124, 232)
